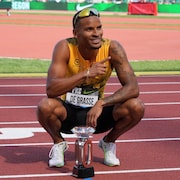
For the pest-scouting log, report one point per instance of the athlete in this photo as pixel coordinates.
(77, 77)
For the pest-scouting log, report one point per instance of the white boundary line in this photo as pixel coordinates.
(138, 171)
(18, 107)
(149, 83)
(142, 92)
(94, 142)
(143, 119)
(146, 104)
(22, 95)
(22, 85)
(108, 84)
(161, 103)
(160, 92)
(161, 119)
(96, 172)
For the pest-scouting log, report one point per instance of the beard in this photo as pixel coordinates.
(95, 48)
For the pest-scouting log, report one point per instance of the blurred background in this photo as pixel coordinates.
(163, 6)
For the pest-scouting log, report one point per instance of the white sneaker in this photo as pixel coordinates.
(56, 154)
(109, 149)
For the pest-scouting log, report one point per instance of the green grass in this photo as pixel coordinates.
(154, 66)
(41, 66)
(23, 65)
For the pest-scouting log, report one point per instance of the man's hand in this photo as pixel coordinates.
(94, 113)
(98, 68)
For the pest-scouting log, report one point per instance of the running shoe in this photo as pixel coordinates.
(56, 154)
(109, 149)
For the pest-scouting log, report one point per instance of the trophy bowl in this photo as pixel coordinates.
(83, 131)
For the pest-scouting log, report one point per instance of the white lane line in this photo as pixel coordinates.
(109, 84)
(17, 107)
(20, 122)
(158, 83)
(151, 92)
(161, 119)
(96, 172)
(148, 83)
(138, 171)
(161, 103)
(94, 142)
(160, 92)
(147, 140)
(108, 93)
(146, 104)
(21, 95)
(22, 85)
(143, 119)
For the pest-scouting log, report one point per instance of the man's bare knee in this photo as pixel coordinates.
(137, 107)
(132, 108)
(43, 105)
(45, 108)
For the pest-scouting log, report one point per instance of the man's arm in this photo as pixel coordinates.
(127, 79)
(125, 75)
(57, 83)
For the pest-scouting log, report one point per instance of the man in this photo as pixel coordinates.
(77, 76)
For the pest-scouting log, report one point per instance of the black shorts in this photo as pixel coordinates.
(76, 116)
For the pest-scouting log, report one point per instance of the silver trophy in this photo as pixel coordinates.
(83, 152)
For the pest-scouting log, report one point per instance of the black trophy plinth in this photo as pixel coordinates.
(83, 172)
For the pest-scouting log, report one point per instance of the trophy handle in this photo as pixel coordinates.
(87, 162)
(77, 152)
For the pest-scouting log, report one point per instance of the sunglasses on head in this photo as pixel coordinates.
(84, 13)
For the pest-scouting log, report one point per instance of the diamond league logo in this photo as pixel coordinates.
(80, 7)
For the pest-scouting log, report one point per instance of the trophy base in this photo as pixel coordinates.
(83, 172)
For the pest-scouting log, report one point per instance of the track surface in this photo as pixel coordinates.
(149, 151)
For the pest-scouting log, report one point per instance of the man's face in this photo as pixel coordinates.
(89, 32)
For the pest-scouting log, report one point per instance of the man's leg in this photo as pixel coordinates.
(50, 112)
(126, 115)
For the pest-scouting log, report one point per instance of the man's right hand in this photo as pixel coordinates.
(98, 68)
